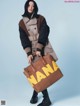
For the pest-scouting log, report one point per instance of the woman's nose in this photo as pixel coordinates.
(30, 7)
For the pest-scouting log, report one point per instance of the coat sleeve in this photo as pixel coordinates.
(26, 44)
(43, 34)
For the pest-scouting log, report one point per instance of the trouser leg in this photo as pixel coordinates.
(45, 93)
(34, 98)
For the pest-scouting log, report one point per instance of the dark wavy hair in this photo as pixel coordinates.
(26, 6)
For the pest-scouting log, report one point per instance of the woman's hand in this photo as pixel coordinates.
(38, 53)
(30, 57)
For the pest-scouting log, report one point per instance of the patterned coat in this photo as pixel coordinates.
(34, 36)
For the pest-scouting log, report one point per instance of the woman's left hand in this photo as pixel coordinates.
(38, 53)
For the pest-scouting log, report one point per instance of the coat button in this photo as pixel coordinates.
(35, 28)
(28, 29)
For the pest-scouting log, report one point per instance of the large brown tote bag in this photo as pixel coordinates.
(43, 73)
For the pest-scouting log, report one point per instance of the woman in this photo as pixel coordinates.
(34, 33)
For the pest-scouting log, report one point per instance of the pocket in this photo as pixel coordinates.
(48, 48)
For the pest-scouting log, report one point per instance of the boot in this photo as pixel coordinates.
(46, 102)
(34, 98)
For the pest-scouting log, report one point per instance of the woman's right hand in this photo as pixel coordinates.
(30, 57)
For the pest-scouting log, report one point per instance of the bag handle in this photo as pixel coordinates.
(43, 61)
(33, 69)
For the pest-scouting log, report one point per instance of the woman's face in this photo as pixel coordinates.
(31, 7)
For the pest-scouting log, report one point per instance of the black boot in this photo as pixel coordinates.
(34, 98)
(46, 101)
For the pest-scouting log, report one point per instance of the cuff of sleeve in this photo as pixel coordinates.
(39, 46)
(29, 53)
(28, 49)
(38, 49)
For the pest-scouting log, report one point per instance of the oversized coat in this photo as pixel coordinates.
(38, 41)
